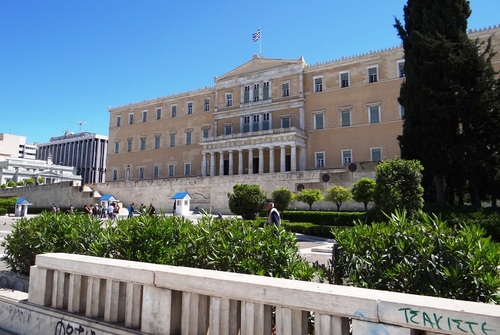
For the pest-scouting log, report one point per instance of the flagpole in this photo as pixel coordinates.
(260, 43)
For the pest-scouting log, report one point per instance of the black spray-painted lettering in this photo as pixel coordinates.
(65, 328)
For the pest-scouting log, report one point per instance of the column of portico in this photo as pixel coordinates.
(221, 163)
(302, 159)
(293, 158)
(261, 160)
(250, 161)
(282, 159)
(230, 162)
(212, 164)
(271, 160)
(240, 161)
(204, 164)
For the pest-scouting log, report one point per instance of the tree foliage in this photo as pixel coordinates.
(338, 195)
(363, 190)
(450, 97)
(398, 186)
(246, 200)
(309, 196)
(282, 197)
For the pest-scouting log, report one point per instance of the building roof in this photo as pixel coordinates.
(108, 197)
(181, 195)
(22, 201)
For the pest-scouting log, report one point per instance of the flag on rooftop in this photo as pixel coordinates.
(256, 36)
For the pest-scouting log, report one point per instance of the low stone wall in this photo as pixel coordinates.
(209, 193)
(160, 299)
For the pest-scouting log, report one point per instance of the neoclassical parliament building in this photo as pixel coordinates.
(268, 116)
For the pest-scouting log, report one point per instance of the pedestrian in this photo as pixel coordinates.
(111, 211)
(273, 216)
(131, 210)
(152, 209)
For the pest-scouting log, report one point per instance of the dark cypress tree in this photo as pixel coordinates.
(442, 93)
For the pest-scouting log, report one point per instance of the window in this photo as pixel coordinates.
(286, 122)
(187, 169)
(318, 84)
(246, 94)
(376, 154)
(265, 91)
(173, 110)
(318, 120)
(115, 174)
(265, 121)
(346, 157)
(171, 170)
(118, 121)
(246, 124)
(117, 147)
(374, 114)
(129, 145)
(255, 124)
(143, 143)
(189, 109)
(344, 79)
(172, 140)
(229, 99)
(402, 112)
(373, 74)
(228, 129)
(285, 89)
(156, 171)
(320, 159)
(141, 173)
(206, 133)
(157, 141)
(144, 116)
(345, 118)
(158, 113)
(131, 118)
(206, 105)
(401, 68)
(188, 137)
(256, 92)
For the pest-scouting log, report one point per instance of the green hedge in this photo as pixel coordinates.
(325, 218)
(423, 256)
(3, 211)
(226, 245)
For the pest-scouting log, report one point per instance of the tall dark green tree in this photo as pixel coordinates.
(478, 149)
(433, 39)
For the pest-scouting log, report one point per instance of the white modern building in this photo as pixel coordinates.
(84, 151)
(16, 146)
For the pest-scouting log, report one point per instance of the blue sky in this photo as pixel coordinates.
(62, 62)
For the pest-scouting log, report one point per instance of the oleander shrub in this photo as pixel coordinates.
(424, 256)
(227, 245)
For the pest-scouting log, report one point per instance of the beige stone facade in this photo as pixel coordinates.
(267, 116)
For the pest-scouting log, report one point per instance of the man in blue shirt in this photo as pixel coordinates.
(273, 216)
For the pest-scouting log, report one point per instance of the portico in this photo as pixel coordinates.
(274, 150)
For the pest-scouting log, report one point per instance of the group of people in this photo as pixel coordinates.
(97, 210)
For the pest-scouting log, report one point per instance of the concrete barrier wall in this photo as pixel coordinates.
(209, 193)
(159, 299)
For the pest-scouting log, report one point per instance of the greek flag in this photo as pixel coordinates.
(256, 36)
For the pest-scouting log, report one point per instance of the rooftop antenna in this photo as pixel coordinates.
(81, 123)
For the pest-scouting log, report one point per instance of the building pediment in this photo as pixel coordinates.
(258, 64)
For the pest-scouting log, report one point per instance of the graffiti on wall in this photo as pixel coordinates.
(66, 328)
(445, 323)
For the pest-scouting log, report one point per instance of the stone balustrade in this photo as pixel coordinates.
(160, 299)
